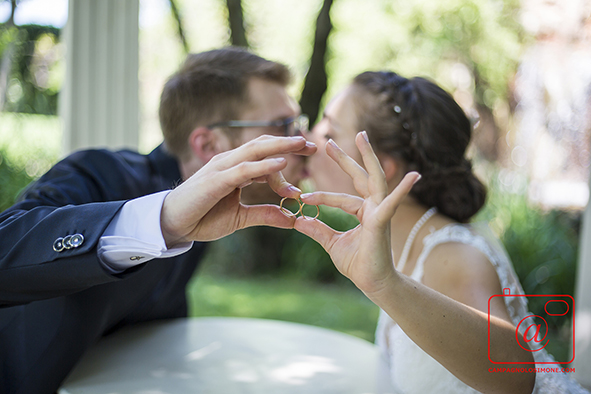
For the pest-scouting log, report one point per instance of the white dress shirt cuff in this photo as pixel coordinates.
(134, 235)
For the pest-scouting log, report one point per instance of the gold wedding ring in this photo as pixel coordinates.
(287, 211)
(301, 210)
(307, 217)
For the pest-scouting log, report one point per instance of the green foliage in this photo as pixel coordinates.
(437, 39)
(542, 245)
(12, 181)
(483, 35)
(29, 145)
(30, 142)
(33, 86)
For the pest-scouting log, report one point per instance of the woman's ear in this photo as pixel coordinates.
(390, 166)
(204, 144)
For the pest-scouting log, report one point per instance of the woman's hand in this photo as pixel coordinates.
(441, 326)
(363, 254)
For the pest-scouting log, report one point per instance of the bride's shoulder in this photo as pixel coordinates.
(459, 265)
(455, 259)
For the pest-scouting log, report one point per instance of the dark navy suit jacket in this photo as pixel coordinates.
(55, 305)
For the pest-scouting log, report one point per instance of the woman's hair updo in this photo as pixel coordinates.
(416, 121)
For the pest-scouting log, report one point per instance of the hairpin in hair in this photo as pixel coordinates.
(397, 109)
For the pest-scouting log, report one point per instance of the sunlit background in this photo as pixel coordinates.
(520, 69)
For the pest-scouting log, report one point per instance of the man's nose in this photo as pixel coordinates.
(310, 135)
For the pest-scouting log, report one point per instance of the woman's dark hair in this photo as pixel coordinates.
(416, 121)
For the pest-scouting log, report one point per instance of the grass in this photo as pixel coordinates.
(337, 307)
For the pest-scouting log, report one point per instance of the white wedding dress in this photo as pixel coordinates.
(409, 370)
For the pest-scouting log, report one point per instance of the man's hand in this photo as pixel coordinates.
(207, 205)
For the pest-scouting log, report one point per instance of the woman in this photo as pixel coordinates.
(434, 293)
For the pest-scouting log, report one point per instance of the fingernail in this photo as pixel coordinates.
(331, 142)
(305, 195)
(418, 179)
(280, 160)
(364, 134)
(310, 144)
(297, 138)
(294, 189)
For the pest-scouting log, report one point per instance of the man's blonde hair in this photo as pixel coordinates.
(210, 87)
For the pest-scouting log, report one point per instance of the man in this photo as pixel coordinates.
(82, 254)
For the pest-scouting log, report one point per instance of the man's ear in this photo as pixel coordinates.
(203, 143)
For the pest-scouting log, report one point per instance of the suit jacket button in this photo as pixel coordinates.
(58, 244)
(76, 240)
(67, 244)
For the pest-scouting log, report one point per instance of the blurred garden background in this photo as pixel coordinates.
(521, 69)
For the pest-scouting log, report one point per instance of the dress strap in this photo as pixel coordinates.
(411, 237)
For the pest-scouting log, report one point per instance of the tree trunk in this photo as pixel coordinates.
(236, 21)
(10, 21)
(179, 23)
(316, 79)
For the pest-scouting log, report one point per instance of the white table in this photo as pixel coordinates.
(226, 355)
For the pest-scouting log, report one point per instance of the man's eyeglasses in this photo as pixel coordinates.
(290, 126)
